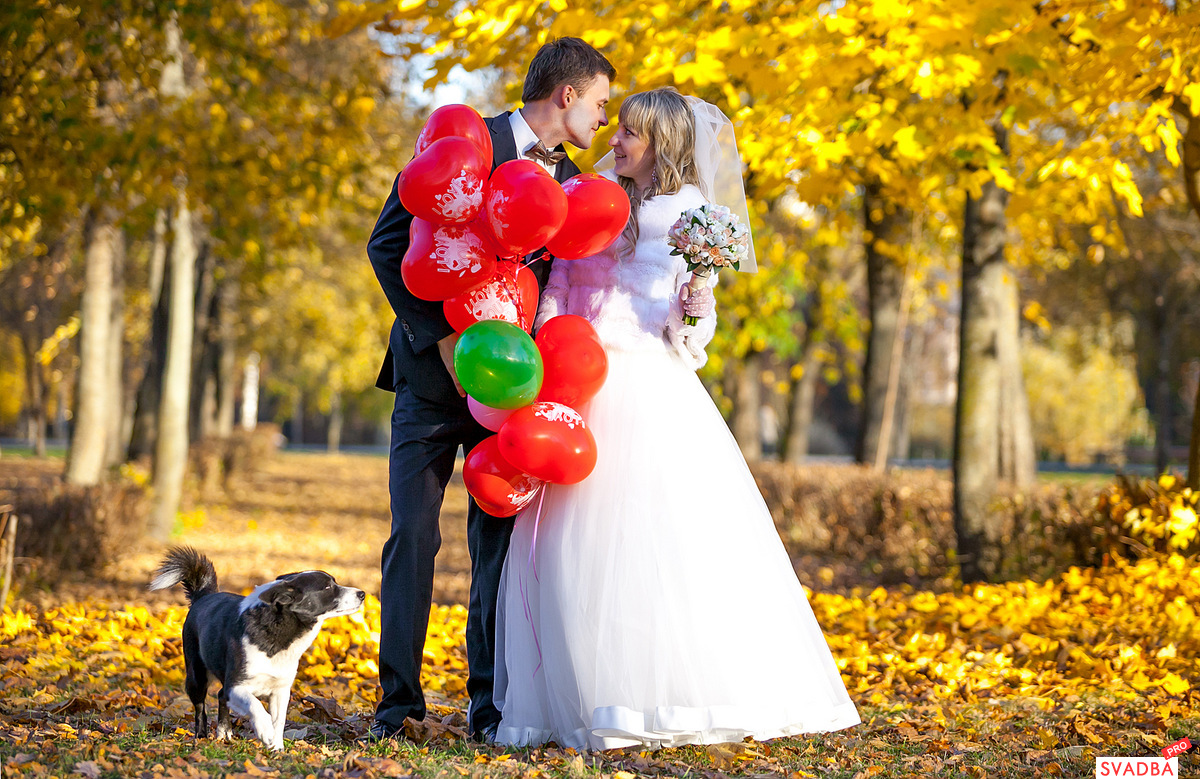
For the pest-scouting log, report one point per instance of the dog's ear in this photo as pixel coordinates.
(279, 595)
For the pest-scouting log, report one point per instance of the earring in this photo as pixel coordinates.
(654, 178)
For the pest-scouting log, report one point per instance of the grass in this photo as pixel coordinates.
(24, 451)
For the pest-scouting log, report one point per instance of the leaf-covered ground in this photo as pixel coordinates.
(1018, 680)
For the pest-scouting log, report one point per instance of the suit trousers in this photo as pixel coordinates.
(426, 435)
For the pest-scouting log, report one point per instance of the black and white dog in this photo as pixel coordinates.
(251, 644)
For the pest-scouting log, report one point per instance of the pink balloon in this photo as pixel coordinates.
(491, 418)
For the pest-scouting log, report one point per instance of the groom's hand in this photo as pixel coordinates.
(446, 350)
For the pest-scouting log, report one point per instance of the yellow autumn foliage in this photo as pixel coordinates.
(1129, 630)
(1160, 514)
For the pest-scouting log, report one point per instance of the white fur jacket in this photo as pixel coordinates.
(633, 301)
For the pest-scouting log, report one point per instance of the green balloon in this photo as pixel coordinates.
(498, 364)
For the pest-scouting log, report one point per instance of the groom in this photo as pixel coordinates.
(564, 98)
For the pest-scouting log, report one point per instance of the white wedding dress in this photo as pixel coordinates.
(653, 603)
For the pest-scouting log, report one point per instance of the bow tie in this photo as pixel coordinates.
(538, 151)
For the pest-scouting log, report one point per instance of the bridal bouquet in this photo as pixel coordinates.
(710, 237)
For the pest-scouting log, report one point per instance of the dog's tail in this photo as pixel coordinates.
(184, 564)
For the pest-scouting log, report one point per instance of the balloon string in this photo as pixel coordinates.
(531, 565)
(533, 544)
(509, 269)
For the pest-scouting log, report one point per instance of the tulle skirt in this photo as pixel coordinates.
(653, 603)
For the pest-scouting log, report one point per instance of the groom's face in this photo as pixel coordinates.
(585, 113)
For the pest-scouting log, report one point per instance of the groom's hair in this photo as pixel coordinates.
(564, 61)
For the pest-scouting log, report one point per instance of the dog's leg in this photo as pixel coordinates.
(224, 723)
(201, 722)
(244, 703)
(195, 683)
(279, 704)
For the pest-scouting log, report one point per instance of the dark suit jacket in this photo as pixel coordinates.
(412, 353)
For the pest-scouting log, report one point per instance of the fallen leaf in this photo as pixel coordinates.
(88, 768)
(254, 770)
(721, 755)
(324, 710)
(1086, 728)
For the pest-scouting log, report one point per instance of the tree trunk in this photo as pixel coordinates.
(250, 393)
(800, 414)
(1018, 458)
(61, 427)
(978, 529)
(171, 442)
(37, 399)
(207, 413)
(1162, 389)
(297, 417)
(144, 437)
(203, 397)
(1191, 161)
(1191, 177)
(1193, 478)
(85, 460)
(915, 344)
(116, 441)
(226, 358)
(745, 407)
(885, 290)
(334, 439)
(170, 460)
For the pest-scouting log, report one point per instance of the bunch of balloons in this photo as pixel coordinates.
(471, 228)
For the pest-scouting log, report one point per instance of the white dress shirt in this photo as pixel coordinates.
(526, 139)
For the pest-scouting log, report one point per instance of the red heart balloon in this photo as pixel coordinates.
(525, 206)
(573, 360)
(597, 212)
(500, 297)
(500, 489)
(548, 441)
(456, 120)
(527, 287)
(444, 261)
(444, 184)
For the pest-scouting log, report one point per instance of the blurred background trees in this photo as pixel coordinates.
(174, 191)
(977, 225)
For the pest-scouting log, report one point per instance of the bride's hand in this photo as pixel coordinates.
(699, 303)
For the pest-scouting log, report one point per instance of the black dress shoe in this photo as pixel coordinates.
(487, 734)
(379, 731)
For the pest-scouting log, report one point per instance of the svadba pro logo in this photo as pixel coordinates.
(1118, 767)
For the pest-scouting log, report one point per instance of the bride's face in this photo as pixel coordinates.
(632, 154)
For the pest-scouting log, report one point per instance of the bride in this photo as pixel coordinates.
(653, 603)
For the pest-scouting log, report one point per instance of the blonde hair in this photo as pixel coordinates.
(665, 120)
